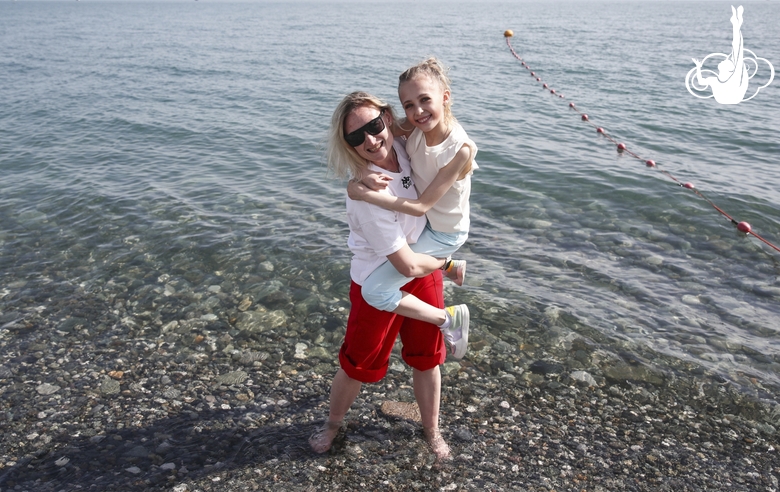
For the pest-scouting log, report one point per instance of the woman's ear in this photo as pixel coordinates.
(389, 119)
(446, 98)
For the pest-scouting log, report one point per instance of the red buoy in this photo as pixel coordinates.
(571, 105)
(584, 117)
(621, 147)
(650, 163)
(545, 85)
(599, 130)
(689, 186)
(560, 95)
(533, 74)
(743, 227)
(552, 91)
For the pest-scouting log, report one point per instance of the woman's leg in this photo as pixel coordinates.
(363, 357)
(343, 392)
(424, 351)
(427, 392)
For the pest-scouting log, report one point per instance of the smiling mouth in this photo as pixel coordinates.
(423, 120)
(376, 148)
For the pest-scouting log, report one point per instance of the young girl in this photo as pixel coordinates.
(442, 159)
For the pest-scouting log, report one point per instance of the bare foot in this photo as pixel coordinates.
(321, 440)
(436, 442)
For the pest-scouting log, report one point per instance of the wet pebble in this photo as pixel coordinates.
(47, 389)
(109, 386)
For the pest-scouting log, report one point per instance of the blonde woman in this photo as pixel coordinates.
(360, 141)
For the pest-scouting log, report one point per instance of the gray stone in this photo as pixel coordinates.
(137, 452)
(257, 322)
(109, 386)
(234, 377)
(583, 378)
(47, 389)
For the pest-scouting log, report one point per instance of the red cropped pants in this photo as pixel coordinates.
(371, 334)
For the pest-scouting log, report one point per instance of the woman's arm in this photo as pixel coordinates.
(456, 169)
(411, 264)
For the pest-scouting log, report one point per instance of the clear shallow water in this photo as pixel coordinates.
(185, 139)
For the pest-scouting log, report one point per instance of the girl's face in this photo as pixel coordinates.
(375, 148)
(424, 100)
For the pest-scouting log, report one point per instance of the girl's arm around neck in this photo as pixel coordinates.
(457, 169)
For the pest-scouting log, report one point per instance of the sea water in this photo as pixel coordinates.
(150, 140)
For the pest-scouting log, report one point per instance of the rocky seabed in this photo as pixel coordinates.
(190, 382)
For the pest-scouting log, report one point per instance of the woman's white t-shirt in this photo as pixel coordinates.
(375, 233)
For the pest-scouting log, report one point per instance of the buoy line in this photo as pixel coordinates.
(622, 148)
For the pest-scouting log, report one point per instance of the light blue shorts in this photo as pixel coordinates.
(382, 289)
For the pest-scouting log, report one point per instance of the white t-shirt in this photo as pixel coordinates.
(451, 213)
(375, 233)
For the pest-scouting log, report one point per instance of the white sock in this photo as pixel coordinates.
(447, 321)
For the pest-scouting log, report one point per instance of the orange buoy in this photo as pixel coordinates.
(508, 33)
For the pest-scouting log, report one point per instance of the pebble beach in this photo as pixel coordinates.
(193, 384)
(174, 269)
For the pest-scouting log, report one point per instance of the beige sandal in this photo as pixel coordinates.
(321, 440)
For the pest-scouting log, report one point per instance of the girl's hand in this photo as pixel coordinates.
(376, 181)
(402, 128)
(357, 190)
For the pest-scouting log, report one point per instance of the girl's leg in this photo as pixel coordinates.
(382, 289)
(443, 245)
(412, 307)
(438, 244)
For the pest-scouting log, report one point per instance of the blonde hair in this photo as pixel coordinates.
(343, 160)
(437, 72)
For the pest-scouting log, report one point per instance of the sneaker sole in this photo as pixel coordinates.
(462, 346)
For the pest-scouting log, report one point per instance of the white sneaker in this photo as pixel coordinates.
(457, 335)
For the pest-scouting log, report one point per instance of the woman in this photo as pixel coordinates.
(361, 140)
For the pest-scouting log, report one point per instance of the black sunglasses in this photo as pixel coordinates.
(374, 127)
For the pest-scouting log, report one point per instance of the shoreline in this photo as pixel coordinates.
(238, 419)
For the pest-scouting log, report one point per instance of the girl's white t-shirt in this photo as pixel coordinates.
(375, 233)
(451, 213)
